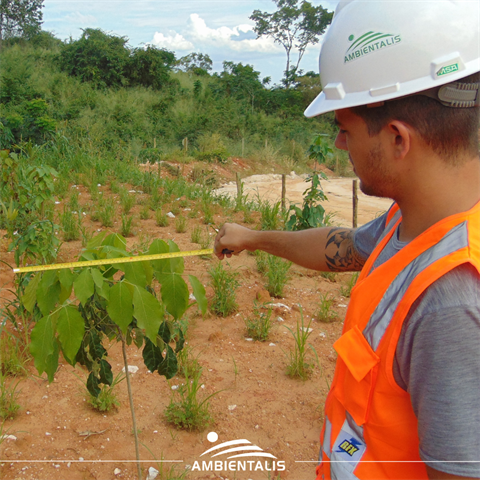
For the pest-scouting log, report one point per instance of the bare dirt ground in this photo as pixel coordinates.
(59, 437)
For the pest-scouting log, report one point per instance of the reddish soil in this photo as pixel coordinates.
(58, 436)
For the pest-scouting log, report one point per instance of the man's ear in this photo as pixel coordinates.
(400, 138)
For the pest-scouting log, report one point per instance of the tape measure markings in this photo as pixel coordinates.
(112, 261)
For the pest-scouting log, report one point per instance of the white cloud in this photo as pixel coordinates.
(79, 19)
(172, 41)
(198, 35)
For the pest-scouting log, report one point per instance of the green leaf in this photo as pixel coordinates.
(148, 272)
(52, 361)
(92, 385)
(152, 355)
(106, 375)
(70, 328)
(174, 293)
(199, 293)
(148, 311)
(96, 241)
(65, 276)
(169, 366)
(84, 286)
(41, 343)
(48, 293)
(97, 277)
(139, 337)
(180, 341)
(117, 241)
(165, 332)
(120, 306)
(29, 298)
(95, 347)
(168, 265)
(135, 273)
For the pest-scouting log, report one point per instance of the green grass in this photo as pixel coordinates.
(325, 312)
(127, 224)
(196, 234)
(180, 224)
(127, 200)
(186, 409)
(298, 366)
(107, 212)
(224, 285)
(71, 224)
(8, 398)
(259, 323)
(161, 219)
(346, 290)
(13, 356)
(277, 275)
(107, 400)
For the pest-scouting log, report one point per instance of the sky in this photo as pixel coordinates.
(219, 28)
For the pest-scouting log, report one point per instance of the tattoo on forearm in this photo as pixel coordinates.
(342, 255)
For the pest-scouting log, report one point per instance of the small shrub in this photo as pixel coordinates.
(259, 324)
(224, 284)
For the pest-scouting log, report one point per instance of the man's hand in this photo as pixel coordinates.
(234, 238)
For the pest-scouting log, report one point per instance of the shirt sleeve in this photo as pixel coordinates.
(438, 362)
(366, 237)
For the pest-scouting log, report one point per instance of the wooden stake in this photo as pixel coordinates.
(355, 203)
(243, 147)
(154, 143)
(284, 190)
(239, 187)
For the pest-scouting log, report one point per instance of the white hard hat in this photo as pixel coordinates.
(377, 50)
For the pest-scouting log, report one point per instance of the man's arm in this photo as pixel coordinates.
(323, 249)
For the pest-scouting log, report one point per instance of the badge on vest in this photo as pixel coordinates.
(350, 447)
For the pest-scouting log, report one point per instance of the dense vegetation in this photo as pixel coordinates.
(96, 98)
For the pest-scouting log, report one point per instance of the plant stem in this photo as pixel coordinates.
(130, 399)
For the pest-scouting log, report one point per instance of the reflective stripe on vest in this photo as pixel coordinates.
(454, 240)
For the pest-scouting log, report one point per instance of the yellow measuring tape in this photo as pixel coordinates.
(111, 261)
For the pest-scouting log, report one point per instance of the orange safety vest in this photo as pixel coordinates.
(370, 429)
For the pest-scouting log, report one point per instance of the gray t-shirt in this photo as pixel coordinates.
(437, 361)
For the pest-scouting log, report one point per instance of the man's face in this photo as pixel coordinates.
(366, 153)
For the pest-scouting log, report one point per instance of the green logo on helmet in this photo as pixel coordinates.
(369, 42)
(447, 69)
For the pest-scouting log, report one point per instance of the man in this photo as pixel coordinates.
(402, 78)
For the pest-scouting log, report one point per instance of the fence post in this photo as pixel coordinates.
(243, 147)
(284, 190)
(355, 203)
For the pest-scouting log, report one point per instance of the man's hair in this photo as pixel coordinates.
(447, 130)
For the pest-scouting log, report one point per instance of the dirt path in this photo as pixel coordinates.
(338, 191)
